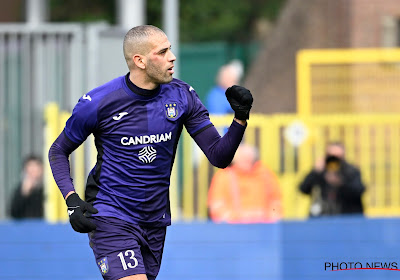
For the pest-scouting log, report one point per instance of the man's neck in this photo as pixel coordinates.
(141, 82)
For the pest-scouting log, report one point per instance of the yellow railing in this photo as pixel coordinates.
(348, 81)
(289, 144)
(55, 208)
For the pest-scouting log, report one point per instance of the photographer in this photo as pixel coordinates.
(334, 184)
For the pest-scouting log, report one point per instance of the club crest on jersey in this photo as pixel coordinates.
(103, 265)
(171, 110)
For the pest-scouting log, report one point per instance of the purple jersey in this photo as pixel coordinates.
(136, 135)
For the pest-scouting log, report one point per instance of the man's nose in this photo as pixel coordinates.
(172, 57)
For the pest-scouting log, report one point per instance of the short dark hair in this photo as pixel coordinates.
(32, 158)
(135, 40)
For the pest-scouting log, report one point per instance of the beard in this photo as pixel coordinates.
(157, 75)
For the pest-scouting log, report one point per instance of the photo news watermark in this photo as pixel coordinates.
(377, 265)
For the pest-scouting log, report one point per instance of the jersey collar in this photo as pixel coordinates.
(141, 91)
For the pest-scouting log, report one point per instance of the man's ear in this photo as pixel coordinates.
(139, 61)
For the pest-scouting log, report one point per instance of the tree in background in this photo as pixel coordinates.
(82, 10)
(200, 20)
(228, 20)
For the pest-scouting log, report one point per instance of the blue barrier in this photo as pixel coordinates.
(36, 250)
(314, 249)
(324, 248)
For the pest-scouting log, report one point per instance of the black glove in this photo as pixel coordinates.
(241, 100)
(76, 212)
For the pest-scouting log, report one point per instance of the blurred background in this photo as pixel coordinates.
(320, 71)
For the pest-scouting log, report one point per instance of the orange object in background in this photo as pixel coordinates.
(245, 192)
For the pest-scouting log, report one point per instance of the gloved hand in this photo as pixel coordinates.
(76, 212)
(240, 100)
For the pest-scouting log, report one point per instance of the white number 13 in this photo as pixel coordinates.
(127, 265)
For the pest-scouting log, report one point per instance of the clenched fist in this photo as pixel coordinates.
(241, 100)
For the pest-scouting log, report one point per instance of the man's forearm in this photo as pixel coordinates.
(59, 163)
(221, 150)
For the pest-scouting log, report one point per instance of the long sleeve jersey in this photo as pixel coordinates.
(136, 134)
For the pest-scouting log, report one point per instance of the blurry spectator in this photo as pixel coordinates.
(245, 192)
(228, 75)
(27, 201)
(334, 184)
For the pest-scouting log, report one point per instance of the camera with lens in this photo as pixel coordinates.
(332, 163)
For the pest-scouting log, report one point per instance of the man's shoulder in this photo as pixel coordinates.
(98, 93)
(179, 84)
(91, 101)
(109, 86)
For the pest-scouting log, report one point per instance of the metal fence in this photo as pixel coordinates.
(37, 65)
(348, 81)
(41, 64)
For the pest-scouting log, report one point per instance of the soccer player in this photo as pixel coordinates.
(136, 120)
